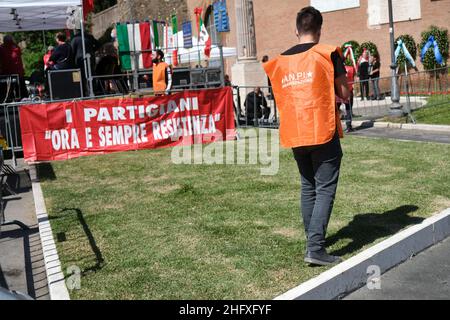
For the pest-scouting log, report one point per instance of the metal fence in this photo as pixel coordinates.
(417, 90)
(10, 120)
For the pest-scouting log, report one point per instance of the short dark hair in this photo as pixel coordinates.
(160, 53)
(61, 37)
(309, 20)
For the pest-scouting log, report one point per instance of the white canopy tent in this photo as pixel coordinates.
(27, 15)
(192, 54)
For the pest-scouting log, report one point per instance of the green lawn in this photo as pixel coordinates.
(141, 227)
(437, 111)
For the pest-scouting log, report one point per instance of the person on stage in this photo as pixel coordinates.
(162, 74)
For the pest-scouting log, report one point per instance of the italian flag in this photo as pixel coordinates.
(135, 38)
(124, 46)
(203, 36)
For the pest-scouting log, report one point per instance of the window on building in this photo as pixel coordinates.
(403, 10)
(211, 27)
(327, 5)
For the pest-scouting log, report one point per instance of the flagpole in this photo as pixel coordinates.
(198, 14)
(395, 94)
(86, 63)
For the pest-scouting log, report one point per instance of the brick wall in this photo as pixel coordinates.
(275, 26)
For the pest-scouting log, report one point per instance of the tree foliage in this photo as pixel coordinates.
(372, 47)
(355, 46)
(441, 36)
(100, 5)
(34, 48)
(410, 44)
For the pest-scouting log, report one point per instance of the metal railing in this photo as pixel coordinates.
(10, 120)
(248, 105)
(417, 90)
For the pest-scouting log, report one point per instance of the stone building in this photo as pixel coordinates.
(132, 10)
(143, 9)
(272, 24)
(267, 27)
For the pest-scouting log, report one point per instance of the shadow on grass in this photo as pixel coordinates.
(93, 244)
(369, 227)
(45, 171)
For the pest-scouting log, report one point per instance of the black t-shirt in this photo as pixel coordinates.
(62, 56)
(363, 70)
(338, 63)
(376, 66)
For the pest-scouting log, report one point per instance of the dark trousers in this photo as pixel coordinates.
(365, 89)
(319, 168)
(349, 111)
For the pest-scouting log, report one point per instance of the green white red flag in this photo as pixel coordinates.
(203, 36)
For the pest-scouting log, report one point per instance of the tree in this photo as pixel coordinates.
(34, 48)
(355, 46)
(100, 5)
(441, 36)
(410, 44)
(372, 47)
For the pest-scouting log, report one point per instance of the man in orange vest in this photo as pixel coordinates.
(162, 74)
(305, 81)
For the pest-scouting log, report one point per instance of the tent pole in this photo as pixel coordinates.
(87, 64)
(222, 66)
(43, 38)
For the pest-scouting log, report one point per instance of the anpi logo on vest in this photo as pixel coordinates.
(296, 79)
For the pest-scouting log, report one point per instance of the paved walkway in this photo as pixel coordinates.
(21, 261)
(404, 134)
(381, 108)
(424, 277)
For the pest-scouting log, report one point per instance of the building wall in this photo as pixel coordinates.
(154, 9)
(132, 10)
(275, 23)
(103, 20)
(228, 39)
(275, 26)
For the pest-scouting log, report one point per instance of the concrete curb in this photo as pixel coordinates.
(407, 126)
(55, 277)
(352, 273)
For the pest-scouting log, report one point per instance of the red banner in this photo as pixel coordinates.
(65, 130)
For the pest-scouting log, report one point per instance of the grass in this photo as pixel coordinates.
(140, 227)
(437, 111)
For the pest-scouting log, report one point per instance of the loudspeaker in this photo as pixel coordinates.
(65, 84)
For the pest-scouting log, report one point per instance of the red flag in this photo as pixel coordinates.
(88, 7)
(146, 44)
(203, 37)
(198, 13)
(175, 57)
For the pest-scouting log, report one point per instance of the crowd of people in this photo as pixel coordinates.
(64, 54)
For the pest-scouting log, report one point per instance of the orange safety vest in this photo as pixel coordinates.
(159, 77)
(303, 85)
